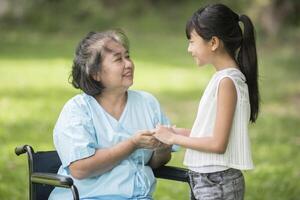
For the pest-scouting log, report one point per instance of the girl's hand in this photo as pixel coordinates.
(181, 131)
(145, 139)
(165, 134)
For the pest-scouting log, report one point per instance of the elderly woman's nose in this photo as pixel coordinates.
(128, 63)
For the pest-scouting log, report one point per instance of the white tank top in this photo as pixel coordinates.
(238, 152)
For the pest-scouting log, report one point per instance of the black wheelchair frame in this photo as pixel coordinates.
(43, 177)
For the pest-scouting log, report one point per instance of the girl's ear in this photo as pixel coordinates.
(215, 43)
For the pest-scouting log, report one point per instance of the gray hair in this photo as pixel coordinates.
(88, 58)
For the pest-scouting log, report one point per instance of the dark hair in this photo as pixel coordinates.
(220, 21)
(88, 58)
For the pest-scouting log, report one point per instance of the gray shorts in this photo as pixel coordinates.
(223, 185)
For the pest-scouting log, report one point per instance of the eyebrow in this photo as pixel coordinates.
(113, 52)
(119, 53)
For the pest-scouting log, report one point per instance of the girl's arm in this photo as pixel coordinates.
(182, 131)
(105, 159)
(217, 143)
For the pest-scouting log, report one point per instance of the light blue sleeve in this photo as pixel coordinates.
(74, 134)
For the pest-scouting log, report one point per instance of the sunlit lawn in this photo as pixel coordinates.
(34, 87)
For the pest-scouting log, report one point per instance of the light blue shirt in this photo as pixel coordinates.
(84, 126)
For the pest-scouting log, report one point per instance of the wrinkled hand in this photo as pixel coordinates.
(145, 139)
(165, 134)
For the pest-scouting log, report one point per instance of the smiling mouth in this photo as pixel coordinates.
(128, 74)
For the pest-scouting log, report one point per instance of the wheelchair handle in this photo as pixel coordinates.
(21, 149)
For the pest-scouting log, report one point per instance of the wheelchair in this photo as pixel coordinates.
(43, 177)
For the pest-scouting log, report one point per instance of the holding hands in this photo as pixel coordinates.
(168, 135)
(165, 134)
(146, 139)
(162, 137)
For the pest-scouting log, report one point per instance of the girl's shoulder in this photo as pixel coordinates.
(238, 79)
(232, 73)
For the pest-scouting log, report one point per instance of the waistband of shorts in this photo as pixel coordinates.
(221, 173)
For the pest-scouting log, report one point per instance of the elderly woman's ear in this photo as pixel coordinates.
(96, 77)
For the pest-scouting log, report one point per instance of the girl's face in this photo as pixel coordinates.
(117, 68)
(199, 49)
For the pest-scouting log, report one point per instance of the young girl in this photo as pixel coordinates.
(218, 145)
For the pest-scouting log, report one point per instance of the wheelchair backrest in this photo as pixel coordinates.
(44, 161)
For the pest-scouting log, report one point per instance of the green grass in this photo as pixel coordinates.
(34, 87)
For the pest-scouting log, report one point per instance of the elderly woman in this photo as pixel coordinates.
(104, 136)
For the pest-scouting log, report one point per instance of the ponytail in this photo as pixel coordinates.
(247, 60)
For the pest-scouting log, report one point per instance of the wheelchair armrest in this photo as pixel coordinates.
(52, 179)
(55, 180)
(172, 173)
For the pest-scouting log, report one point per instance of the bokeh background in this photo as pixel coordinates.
(37, 43)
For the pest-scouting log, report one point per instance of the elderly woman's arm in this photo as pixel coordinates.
(160, 156)
(105, 159)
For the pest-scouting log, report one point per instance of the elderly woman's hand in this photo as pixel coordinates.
(145, 139)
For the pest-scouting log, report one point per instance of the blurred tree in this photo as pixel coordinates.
(3, 7)
(51, 15)
(278, 13)
(12, 10)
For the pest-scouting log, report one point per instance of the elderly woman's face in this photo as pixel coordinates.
(117, 68)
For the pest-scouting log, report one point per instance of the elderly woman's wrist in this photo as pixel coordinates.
(133, 143)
